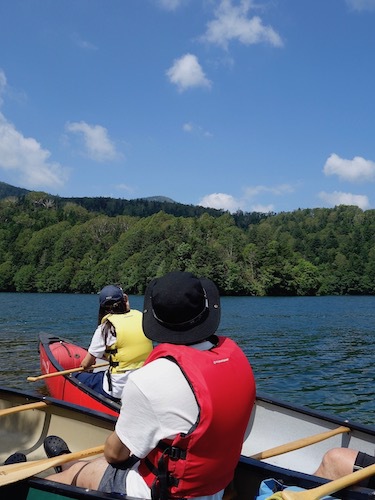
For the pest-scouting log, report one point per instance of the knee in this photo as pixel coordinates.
(336, 463)
(328, 463)
(332, 456)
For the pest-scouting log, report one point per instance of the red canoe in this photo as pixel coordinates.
(58, 354)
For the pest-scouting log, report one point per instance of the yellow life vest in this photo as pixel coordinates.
(132, 346)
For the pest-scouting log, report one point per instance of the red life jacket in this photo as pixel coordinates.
(202, 462)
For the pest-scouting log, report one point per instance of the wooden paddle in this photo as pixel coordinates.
(64, 372)
(299, 443)
(28, 406)
(327, 488)
(16, 472)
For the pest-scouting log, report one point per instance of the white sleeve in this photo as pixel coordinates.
(157, 403)
(97, 346)
(137, 426)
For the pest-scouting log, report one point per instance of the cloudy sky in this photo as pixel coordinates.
(264, 105)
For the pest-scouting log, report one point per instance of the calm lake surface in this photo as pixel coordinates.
(314, 351)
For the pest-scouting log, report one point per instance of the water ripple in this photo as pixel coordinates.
(314, 351)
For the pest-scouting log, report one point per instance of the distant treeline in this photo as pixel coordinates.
(140, 207)
(52, 244)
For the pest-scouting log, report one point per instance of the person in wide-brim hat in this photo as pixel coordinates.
(180, 308)
(185, 412)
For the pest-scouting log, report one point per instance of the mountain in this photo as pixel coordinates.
(158, 198)
(7, 190)
(139, 207)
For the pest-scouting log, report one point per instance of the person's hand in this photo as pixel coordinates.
(88, 361)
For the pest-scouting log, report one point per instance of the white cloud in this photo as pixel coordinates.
(191, 128)
(262, 209)
(83, 44)
(186, 72)
(247, 202)
(97, 144)
(10, 92)
(361, 5)
(280, 190)
(26, 157)
(339, 198)
(124, 187)
(220, 201)
(187, 127)
(232, 23)
(171, 4)
(356, 170)
(3, 84)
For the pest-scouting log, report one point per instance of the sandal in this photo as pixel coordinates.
(54, 446)
(15, 458)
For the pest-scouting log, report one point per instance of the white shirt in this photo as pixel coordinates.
(157, 399)
(97, 349)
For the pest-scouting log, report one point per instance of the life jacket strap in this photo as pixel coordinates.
(163, 479)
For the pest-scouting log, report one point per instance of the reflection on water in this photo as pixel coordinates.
(315, 351)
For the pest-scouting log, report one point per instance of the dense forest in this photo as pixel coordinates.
(52, 244)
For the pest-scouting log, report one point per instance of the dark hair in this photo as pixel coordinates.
(115, 308)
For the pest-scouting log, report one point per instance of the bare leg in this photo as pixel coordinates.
(89, 473)
(336, 463)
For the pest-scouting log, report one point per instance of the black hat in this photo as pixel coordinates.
(180, 308)
(110, 294)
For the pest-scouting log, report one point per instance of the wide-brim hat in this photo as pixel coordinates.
(180, 308)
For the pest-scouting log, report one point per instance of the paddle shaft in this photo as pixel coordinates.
(299, 443)
(64, 372)
(28, 406)
(327, 488)
(11, 473)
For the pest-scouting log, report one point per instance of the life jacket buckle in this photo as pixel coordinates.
(175, 453)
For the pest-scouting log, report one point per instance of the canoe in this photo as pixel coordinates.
(273, 424)
(58, 354)
(24, 431)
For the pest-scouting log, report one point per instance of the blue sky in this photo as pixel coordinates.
(265, 105)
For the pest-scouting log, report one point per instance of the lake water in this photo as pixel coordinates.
(314, 351)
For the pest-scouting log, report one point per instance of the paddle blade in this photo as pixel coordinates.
(16, 472)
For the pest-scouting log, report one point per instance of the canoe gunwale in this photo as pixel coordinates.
(73, 491)
(32, 397)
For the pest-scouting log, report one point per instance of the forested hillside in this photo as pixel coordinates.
(49, 246)
(141, 207)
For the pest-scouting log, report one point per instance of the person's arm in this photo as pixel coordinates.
(95, 350)
(115, 451)
(88, 361)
